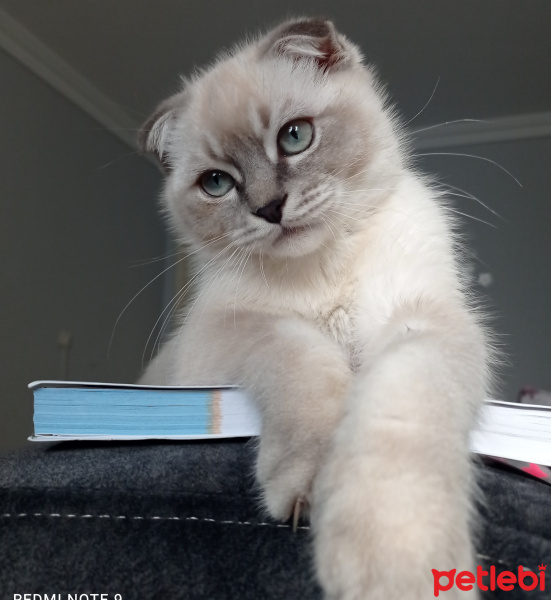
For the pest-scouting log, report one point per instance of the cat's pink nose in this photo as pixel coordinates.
(273, 211)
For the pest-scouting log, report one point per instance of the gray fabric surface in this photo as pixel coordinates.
(181, 521)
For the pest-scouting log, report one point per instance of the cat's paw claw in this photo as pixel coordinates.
(300, 508)
(287, 485)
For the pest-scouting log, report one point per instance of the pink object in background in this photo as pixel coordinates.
(539, 471)
(532, 395)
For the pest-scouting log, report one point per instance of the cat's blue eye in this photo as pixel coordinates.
(295, 137)
(217, 183)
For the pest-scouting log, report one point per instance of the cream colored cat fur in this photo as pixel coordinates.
(330, 286)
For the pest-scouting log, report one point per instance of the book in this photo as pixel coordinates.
(519, 434)
(71, 410)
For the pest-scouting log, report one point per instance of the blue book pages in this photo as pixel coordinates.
(67, 397)
(125, 429)
(81, 410)
(119, 411)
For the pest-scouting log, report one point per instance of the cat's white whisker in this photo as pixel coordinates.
(261, 261)
(416, 131)
(149, 261)
(310, 208)
(328, 227)
(458, 212)
(363, 205)
(115, 160)
(357, 191)
(348, 166)
(358, 204)
(206, 287)
(214, 278)
(333, 223)
(465, 194)
(344, 222)
(155, 279)
(233, 273)
(484, 158)
(347, 217)
(425, 105)
(355, 175)
(237, 290)
(175, 301)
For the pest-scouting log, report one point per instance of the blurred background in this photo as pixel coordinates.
(79, 216)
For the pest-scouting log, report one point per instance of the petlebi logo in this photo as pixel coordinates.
(488, 580)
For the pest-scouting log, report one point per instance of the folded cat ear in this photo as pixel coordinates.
(314, 38)
(153, 134)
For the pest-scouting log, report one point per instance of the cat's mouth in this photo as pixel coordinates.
(287, 234)
(292, 231)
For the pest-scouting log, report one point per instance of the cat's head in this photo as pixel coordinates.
(280, 147)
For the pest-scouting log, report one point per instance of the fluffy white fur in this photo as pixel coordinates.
(349, 322)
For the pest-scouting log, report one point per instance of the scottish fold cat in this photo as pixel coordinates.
(329, 284)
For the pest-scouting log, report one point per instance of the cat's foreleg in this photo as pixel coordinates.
(299, 379)
(393, 500)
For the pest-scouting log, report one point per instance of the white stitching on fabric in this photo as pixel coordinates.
(153, 518)
(200, 519)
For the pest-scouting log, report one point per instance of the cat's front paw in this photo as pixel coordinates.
(286, 478)
(376, 539)
(294, 442)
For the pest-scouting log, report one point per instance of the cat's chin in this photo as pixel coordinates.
(292, 242)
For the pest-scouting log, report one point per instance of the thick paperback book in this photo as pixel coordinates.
(67, 410)
(70, 410)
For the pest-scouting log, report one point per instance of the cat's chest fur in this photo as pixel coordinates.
(331, 312)
(338, 325)
(333, 315)
(321, 298)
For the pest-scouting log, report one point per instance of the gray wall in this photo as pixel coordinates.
(78, 209)
(516, 251)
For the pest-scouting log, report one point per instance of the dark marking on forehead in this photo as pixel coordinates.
(211, 154)
(233, 162)
(215, 157)
(245, 148)
(264, 114)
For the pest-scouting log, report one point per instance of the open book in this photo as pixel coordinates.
(66, 410)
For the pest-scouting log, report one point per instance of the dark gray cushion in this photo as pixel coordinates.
(182, 521)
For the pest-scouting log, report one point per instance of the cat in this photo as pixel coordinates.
(330, 285)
